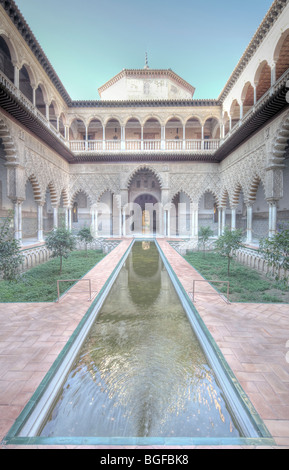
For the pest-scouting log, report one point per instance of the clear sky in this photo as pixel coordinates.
(90, 41)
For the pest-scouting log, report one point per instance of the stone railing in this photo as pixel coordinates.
(188, 145)
(34, 256)
(40, 254)
(246, 256)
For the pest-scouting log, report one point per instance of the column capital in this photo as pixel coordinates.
(17, 200)
(272, 202)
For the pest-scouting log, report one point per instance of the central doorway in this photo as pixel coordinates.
(145, 191)
(149, 219)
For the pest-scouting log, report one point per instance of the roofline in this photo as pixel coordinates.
(147, 72)
(143, 103)
(24, 29)
(267, 23)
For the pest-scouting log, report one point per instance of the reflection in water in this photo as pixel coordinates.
(141, 371)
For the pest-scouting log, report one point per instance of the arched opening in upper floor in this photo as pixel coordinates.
(113, 130)
(77, 130)
(212, 133)
(113, 134)
(25, 83)
(52, 115)
(94, 134)
(152, 134)
(77, 135)
(6, 65)
(39, 100)
(247, 97)
(235, 113)
(226, 123)
(133, 134)
(174, 134)
(262, 79)
(212, 128)
(61, 125)
(281, 54)
(193, 131)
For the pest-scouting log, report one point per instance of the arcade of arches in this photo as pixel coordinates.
(147, 168)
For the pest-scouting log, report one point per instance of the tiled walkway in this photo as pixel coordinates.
(32, 335)
(252, 338)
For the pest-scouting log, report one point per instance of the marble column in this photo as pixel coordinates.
(272, 218)
(249, 223)
(55, 217)
(18, 220)
(219, 221)
(233, 218)
(40, 236)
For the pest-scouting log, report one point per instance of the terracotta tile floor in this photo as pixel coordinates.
(252, 337)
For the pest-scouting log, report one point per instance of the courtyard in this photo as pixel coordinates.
(146, 156)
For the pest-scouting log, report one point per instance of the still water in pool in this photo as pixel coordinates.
(141, 371)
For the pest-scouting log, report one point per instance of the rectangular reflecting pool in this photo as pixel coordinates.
(141, 372)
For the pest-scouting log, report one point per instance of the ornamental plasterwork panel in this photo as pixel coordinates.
(243, 173)
(94, 185)
(195, 185)
(45, 173)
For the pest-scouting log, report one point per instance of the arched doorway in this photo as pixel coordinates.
(149, 215)
(145, 191)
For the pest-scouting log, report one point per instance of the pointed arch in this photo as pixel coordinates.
(236, 194)
(78, 191)
(53, 194)
(262, 79)
(212, 191)
(144, 167)
(281, 54)
(7, 142)
(179, 191)
(253, 188)
(65, 197)
(224, 198)
(38, 196)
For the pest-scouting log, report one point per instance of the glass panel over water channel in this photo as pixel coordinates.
(141, 371)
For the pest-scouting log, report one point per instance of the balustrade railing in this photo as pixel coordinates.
(133, 145)
(138, 145)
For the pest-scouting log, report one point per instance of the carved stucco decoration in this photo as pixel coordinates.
(243, 174)
(46, 175)
(194, 185)
(94, 185)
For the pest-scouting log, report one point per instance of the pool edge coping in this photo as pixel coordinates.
(12, 437)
